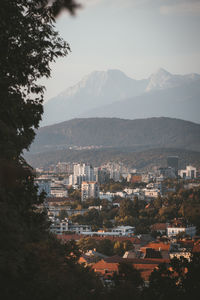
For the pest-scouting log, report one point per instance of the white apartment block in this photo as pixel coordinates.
(124, 230)
(89, 189)
(64, 226)
(82, 172)
(189, 173)
(174, 230)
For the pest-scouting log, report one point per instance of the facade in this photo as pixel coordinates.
(58, 227)
(61, 227)
(108, 196)
(58, 190)
(124, 230)
(134, 178)
(63, 167)
(172, 162)
(81, 172)
(151, 193)
(168, 172)
(44, 185)
(174, 230)
(189, 173)
(101, 175)
(89, 189)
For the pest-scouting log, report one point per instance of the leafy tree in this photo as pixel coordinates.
(128, 283)
(63, 214)
(33, 264)
(105, 247)
(179, 280)
(126, 208)
(118, 248)
(87, 244)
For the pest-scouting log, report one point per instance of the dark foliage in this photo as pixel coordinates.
(178, 280)
(33, 264)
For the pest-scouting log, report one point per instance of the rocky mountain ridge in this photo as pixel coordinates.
(93, 95)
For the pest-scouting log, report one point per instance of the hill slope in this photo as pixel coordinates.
(113, 132)
(142, 160)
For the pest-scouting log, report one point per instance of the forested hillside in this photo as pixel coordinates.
(113, 132)
(140, 160)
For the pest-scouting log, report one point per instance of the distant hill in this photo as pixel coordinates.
(143, 160)
(113, 94)
(113, 133)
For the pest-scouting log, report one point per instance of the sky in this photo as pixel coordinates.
(136, 36)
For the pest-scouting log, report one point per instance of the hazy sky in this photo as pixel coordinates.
(135, 36)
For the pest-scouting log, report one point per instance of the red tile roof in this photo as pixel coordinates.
(110, 265)
(159, 226)
(196, 248)
(158, 246)
(67, 237)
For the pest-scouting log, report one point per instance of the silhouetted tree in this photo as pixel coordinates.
(128, 283)
(33, 264)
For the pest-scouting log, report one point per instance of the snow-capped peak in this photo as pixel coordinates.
(163, 80)
(95, 82)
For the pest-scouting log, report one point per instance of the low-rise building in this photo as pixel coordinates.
(177, 251)
(159, 228)
(58, 190)
(124, 230)
(180, 226)
(61, 227)
(151, 193)
(109, 266)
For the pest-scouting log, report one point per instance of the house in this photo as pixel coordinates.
(179, 226)
(90, 257)
(177, 251)
(110, 265)
(151, 253)
(159, 228)
(162, 247)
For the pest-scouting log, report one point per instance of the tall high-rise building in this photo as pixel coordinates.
(83, 172)
(89, 189)
(172, 162)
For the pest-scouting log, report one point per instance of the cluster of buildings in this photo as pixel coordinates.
(88, 179)
(146, 252)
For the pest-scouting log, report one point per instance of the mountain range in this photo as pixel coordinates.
(118, 133)
(113, 94)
